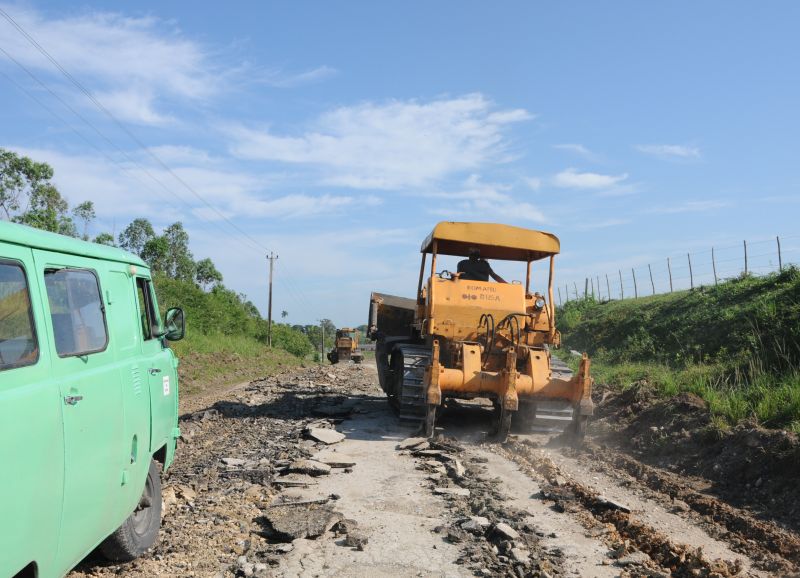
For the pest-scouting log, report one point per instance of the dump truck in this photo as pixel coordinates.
(345, 347)
(465, 339)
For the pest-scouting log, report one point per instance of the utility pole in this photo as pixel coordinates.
(272, 259)
(322, 343)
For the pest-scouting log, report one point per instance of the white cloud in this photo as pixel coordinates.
(667, 151)
(533, 183)
(124, 190)
(132, 62)
(392, 145)
(282, 80)
(133, 106)
(573, 179)
(478, 200)
(134, 66)
(577, 149)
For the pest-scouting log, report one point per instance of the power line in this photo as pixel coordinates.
(124, 128)
(255, 243)
(80, 135)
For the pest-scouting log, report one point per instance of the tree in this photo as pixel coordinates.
(284, 314)
(47, 210)
(156, 253)
(180, 260)
(27, 196)
(19, 176)
(206, 273)
(105, 239)
(330, 328)
(136, 235)
(85, 213)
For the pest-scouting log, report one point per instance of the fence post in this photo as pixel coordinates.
(608, 287)
(652, 284)
(635, 288)
(598, 287)
(669, 268)
(691, 276)
(714, 265)
(559, 297)
(592, 288)
(575, 286)
(780, 261)
(586, 289)
(566, 290)
(745, 257)
(621, 290)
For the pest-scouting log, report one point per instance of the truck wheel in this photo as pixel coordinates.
(139, 531)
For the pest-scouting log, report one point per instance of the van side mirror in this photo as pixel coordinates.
(174, 324)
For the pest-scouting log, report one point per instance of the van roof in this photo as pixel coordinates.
(494, 241)
(38, 239)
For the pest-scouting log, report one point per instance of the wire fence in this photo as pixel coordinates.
(686, 271)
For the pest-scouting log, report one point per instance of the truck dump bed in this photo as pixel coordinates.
(390, 316)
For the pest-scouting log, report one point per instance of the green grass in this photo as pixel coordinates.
(736, 345)
(209, 362)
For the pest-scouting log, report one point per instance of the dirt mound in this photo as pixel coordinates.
(748, 466)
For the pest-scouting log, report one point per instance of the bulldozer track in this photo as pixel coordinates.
(411, 393)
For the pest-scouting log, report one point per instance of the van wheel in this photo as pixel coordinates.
(139, 531)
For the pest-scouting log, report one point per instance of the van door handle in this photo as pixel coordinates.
(73, 399)
(154, 370)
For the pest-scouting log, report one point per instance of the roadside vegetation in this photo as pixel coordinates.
(226, 335)
(736, 345)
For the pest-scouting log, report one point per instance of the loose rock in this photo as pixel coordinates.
(324, 435)
(506, 531)
(309, 467)
(454, 491)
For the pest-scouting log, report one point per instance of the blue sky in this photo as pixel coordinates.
(338, 134)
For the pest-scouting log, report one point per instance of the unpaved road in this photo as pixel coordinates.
(239, 500)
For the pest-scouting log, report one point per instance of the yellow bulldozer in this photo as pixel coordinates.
(345, 347)
(466, 337)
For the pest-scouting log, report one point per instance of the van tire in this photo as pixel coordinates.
(139, 531)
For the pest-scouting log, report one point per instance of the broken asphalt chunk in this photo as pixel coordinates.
(506, 531)
(413, 443)
(309, 520)
(309, 467)
(324, 435)
(613, 504)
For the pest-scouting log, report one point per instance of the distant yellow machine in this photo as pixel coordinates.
(345, 347)
(479, 339)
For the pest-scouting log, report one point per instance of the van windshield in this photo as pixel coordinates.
(18, 344)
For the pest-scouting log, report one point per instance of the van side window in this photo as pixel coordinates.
(18, 344)
(76, 307)
(149, 317)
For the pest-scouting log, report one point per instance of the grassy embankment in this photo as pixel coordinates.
(736, 345)
(225, 338)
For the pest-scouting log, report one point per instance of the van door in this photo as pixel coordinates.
(161, 369)
(125, 330)
(31, 435)
(91, 398)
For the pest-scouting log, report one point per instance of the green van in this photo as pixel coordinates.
(88, 402)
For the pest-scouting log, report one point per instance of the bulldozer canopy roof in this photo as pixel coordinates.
(495, 241)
